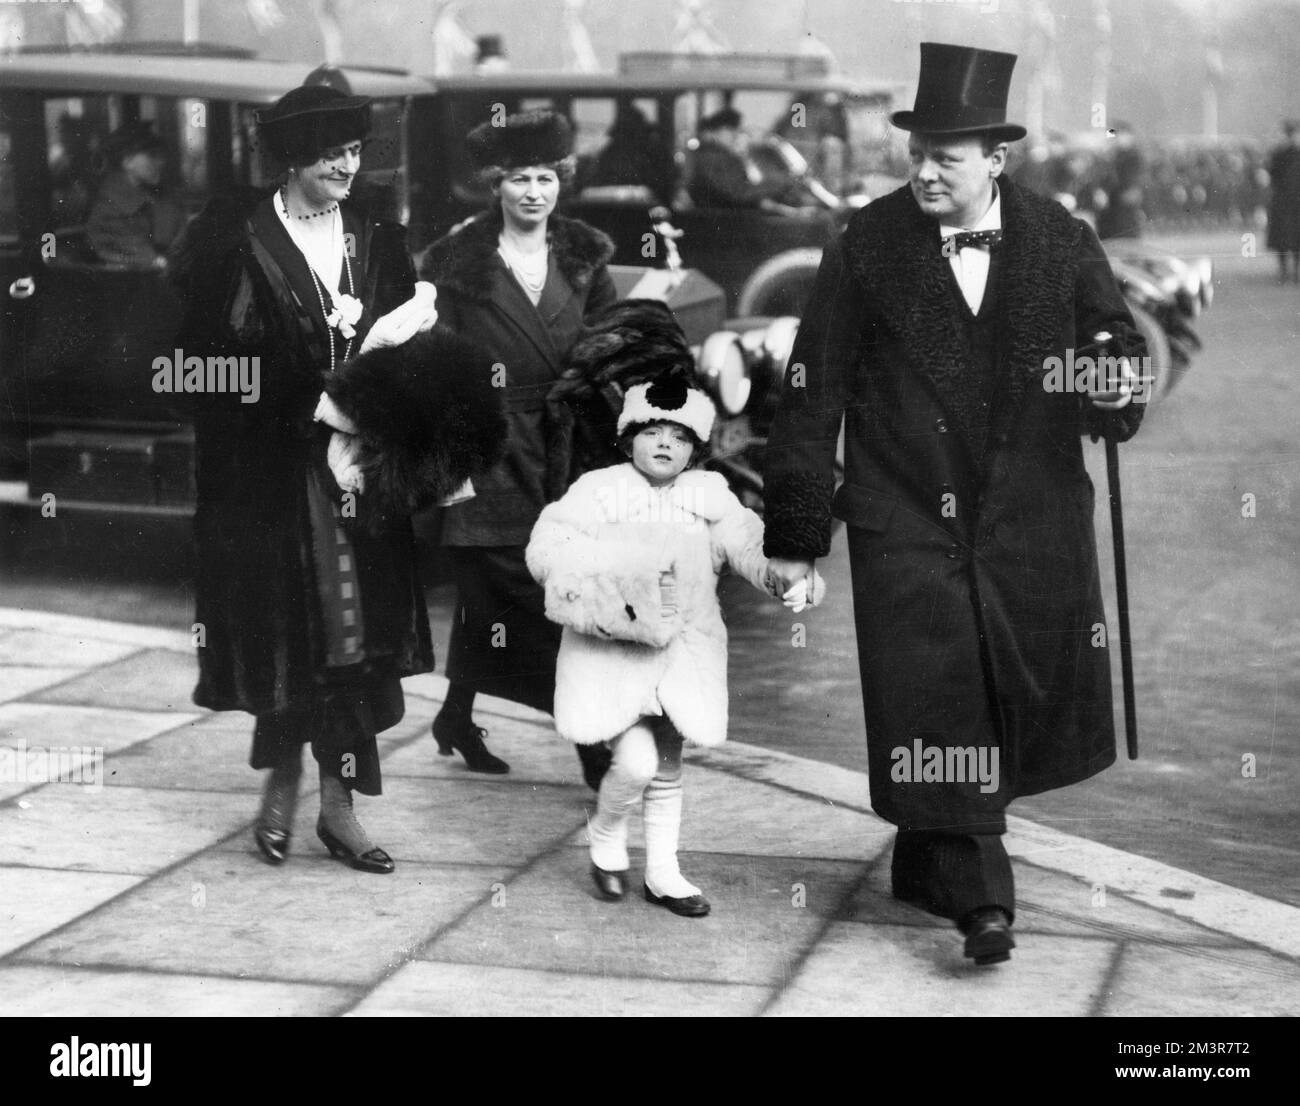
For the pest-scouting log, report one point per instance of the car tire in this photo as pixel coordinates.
(1161, 363)
(780, 285)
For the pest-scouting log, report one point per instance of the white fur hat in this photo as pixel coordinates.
(669, 399)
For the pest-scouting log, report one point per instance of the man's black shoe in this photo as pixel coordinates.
(988, 935)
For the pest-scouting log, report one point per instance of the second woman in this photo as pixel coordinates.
(520, 281)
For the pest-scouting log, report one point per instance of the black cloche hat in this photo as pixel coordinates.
(962, 90)
(308, 120)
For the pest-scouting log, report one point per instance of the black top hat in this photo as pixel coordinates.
(528, 138)
(306, 121)
(727, 117)
(962, 90)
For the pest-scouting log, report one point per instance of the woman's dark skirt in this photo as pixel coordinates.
(340, 725)
(501, 643)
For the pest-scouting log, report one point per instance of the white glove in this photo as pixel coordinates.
(327, 412)
(403, 323)
(797, 597)
(341, 457)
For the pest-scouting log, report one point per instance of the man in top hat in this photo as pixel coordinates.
(977, 604)
(719, 173)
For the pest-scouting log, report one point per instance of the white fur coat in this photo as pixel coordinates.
(630, 571)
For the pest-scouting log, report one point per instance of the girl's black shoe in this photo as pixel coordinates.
(693, 906)
(467, 739)
(611, 885)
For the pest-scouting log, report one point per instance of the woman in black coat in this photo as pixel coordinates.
(308, 602)
(520, 281)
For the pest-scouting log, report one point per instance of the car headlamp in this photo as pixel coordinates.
(723, 372)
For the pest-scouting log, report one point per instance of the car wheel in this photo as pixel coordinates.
(781, 285)
(1161, 365)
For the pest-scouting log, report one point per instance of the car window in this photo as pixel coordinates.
(124, 174)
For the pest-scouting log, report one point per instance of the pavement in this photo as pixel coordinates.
(130, 884)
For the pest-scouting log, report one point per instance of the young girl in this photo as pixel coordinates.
(629, 559)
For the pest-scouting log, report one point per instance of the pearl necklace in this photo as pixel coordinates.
(529, 269)
(316, 280)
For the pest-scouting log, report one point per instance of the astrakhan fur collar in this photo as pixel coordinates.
(892, 247)
(465, 261)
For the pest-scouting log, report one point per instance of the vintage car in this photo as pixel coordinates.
(80, 423)
(79, 420)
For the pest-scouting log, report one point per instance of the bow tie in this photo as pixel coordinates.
(965, 238)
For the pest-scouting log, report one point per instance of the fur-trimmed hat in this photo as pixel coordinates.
(427, 414)
(669, 399)
(528, 138)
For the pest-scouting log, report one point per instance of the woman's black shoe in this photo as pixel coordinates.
(596, 760)
(693, 906)
(467, 739)
(372, 860)
(611, 885)
(273, 843)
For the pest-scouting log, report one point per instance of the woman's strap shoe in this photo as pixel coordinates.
(611, 885)
(988, 935)
(693, 906)
(372, 860)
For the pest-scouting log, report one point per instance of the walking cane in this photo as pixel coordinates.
(1103, 341)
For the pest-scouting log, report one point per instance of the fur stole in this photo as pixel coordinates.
(427, 415)
(465, 261)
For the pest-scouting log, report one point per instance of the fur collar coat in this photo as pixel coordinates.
(630, 571)
(976, 590)
(480, 299)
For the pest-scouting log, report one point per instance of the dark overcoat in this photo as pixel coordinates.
(977, 598)
(256, 587)
(479, 298)
(1284, 200)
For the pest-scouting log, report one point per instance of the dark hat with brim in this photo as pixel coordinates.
(132, 138)
(726, 118)
(306, 121)
(962, 91)
(528, 138)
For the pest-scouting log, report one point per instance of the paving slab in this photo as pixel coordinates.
(465, 991)
(1213, 983)
(17, 680)
(552, 919)
(209, 752)
(149, 679)
(46, 648)
(718, 814)
(34, 901)
(912, 971)
(118, 829)
(41, 991)
(311, 920)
